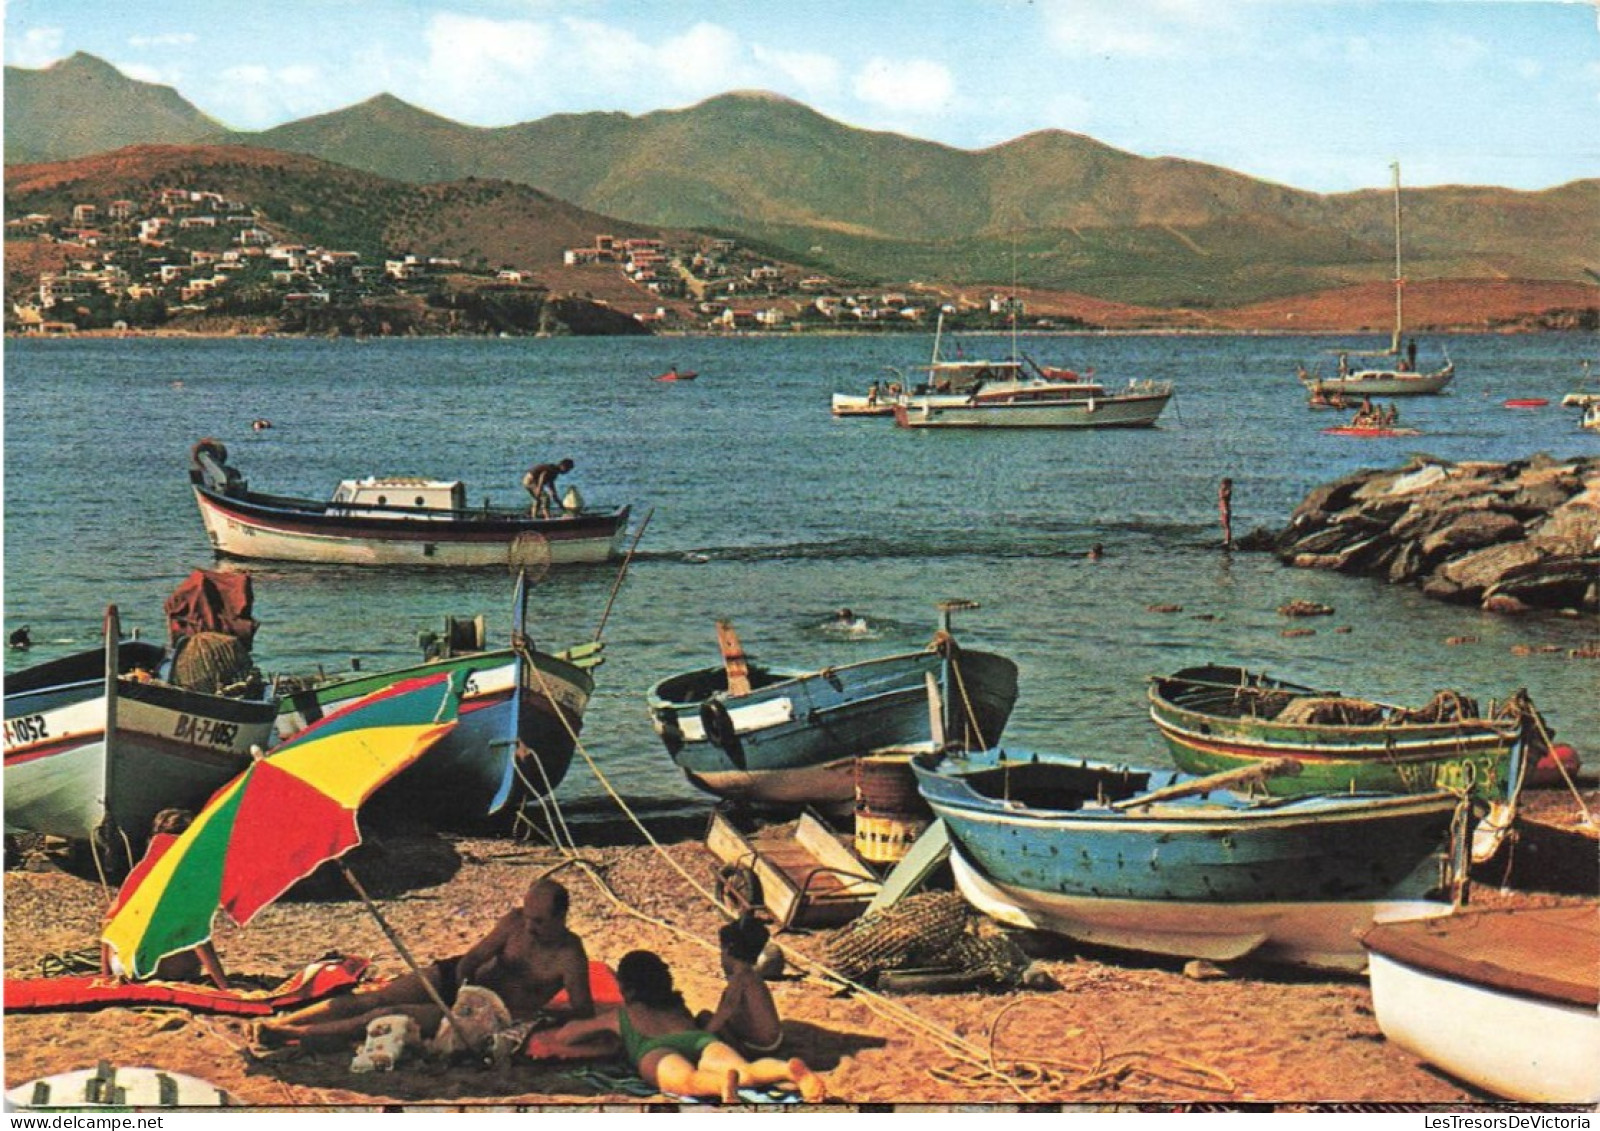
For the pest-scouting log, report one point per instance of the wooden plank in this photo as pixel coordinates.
(926, 853)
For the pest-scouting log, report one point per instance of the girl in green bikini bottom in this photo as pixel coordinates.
(659, 1037)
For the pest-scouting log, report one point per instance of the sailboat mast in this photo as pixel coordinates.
(1399, 280)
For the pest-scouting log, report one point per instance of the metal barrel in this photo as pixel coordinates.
(890, 813)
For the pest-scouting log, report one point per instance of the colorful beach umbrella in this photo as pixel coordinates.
(290, 812)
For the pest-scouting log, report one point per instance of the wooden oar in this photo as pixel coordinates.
(733, 659)
(1271, 768)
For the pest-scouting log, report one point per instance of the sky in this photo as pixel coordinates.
(1317, 94)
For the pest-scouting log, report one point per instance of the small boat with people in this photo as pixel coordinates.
(521, 711)
(749, 732)
(394, 520)
(1373, 421)
(1167, 863)
(99, 741)
(1401, 376)
(1506, 999)
(1218, 717)
(676, 374)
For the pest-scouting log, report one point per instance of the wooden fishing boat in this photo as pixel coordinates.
(98, 742)
(520, 715)
(1218, 717)
(390, 521)
(1507, 1000)
(783, 736)
(1164, 863)
(1401, 378)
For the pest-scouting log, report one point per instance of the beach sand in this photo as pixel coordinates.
(1120, 1030)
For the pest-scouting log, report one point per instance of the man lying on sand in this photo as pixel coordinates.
(526, 959)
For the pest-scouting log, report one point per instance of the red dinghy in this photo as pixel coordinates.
(1526, 402)
(1369, 432)
(677, 375)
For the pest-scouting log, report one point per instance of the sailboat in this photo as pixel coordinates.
(1399, 378)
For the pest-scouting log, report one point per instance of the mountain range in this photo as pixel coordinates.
(1051, 210)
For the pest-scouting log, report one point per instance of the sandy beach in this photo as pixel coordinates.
(1119, 1030)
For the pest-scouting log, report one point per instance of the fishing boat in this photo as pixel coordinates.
(783, 736)
(100, 741)
(1507, 1000)
(1217, 717)
(1164, 863)
(1398, 378)
(521, 712)
(391, 521)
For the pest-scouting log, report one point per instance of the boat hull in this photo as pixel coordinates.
(1196, 712)
(513, 742)
(796, 735)
(1310, 933)
(170, 747)
(1217, 877)
(1477, 995)
(1113, 411)
(287, 530)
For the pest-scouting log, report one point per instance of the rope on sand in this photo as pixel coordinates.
(1062, 1075)
(892, 1011)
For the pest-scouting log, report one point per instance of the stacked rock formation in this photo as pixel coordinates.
(1508, 537)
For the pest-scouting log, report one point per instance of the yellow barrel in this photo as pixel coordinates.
(890, 813)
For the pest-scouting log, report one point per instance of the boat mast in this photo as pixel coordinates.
(1399, 280)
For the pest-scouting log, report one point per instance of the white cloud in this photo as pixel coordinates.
(811, 73)
(910, 86)
(169, 39)
(34, 48)
(259, 96)
(1142, 29)
(143, 72)
(475, 66)
(1528, 69)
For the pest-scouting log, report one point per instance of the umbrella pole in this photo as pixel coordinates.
(449, 1015)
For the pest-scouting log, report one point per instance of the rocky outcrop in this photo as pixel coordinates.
(1509, 537)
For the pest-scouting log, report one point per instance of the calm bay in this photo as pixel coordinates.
(768, 512)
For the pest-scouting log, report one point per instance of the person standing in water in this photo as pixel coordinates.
(1225, 509)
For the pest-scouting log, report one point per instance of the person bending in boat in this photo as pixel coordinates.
(660, 1039)
(527, 958)
(540, 480)
(746, 1017)
(186, 965)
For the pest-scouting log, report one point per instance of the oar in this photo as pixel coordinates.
(733, 659)
(1271, 768)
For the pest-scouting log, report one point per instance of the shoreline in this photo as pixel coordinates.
(1121, 1032)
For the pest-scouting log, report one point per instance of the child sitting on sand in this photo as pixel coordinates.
(746, 1017)
(660, 1040)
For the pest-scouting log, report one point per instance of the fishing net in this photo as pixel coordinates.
(919, 931)
(529, 553)
(1331, 710)
(213, 663)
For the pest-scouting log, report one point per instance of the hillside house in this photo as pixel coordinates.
(85, 215)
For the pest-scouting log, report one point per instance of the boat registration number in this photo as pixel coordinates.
(29, 728)
(205, 732)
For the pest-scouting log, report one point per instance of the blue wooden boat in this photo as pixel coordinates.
(1166, 863)
(521, 712)
(781, 736)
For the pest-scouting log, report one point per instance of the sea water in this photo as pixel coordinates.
(766, 511)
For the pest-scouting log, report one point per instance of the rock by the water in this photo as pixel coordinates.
(1513, 537)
